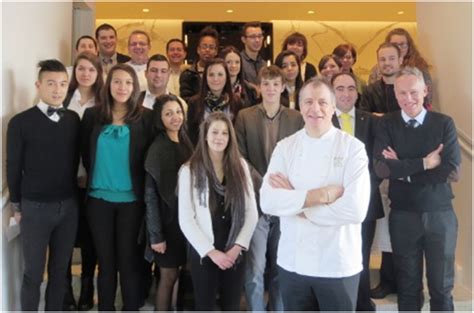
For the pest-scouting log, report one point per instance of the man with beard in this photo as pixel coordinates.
(379, 98)
(190, 79)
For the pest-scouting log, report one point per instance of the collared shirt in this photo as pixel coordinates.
(291, 96)
(107, 63)
(351, 113)
(173, 82)
(419, 118)
(150, 98)
(140, 70)
(323, 240)
(44, 108)
(77, 107)
(250, 67)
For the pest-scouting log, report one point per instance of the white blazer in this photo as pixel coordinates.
(195, 219)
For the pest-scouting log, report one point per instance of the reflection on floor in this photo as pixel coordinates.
(462, 296)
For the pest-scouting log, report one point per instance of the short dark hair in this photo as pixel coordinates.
(104, 26)
(85, 37)
(156, 58)
(51, 65)
(388, 45)
(351, 75)
(176, 40)
(250, 24)
(293, 38)
(208, 31)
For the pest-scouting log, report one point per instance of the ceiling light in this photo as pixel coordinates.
(146, 10)
(400, 12)
(230, 11)
(310, 12)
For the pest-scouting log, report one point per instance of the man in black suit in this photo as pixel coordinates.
(418, 151)
(361, 125)
(106, 37)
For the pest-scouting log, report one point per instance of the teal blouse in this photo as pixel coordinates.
(111, 180)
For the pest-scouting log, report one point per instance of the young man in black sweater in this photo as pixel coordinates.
(419, 152)
(42, 160)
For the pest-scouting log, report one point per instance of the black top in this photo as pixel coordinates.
(379, 97)
(310, 72)
(163, 161)
(140, 138)
(428, 190)
(189, 83)
(42, 156)
(221, 220)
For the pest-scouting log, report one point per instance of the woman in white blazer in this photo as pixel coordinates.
(217, 214)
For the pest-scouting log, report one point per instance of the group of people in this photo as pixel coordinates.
(235, 169)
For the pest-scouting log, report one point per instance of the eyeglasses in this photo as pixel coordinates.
(139, 43)
(207, 47)
(254, 37)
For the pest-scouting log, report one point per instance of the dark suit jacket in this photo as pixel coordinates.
(364, 130)
(122, 58)
(140, 138)
(249, 127)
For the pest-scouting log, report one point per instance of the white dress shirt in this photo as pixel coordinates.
(419, 118)
(140, 70)
(76, 106)
(44, 108)
(327, 241)
(150, 98)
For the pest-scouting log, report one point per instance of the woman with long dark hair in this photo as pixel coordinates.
(169, 150)
(83, 93)
(217, 214)
(233, 61)
(289, 63)
(216, 95)
(115, 137)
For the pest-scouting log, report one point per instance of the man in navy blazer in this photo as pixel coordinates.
(360, 124)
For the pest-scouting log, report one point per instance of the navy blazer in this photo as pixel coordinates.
(364, 130)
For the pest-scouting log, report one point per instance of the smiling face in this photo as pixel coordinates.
(346, 92)
(52, 87)
(389, 61)
(216, 78)
(297, 47)
(107, 41)
(347, 61)
(410, 93)
(121, 86)
(86, 73)
(86, 44)
(172, 116)
(253, 39)
(138, 48)
(217, 137)
(317, 109)
(232, 61)
(176, 52)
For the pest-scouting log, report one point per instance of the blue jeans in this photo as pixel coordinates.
(264, 244)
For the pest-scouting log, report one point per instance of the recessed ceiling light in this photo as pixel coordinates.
(310, 12)
(230, 11)
(401, 12)
(146, 10)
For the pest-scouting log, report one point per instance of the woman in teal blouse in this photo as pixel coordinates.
(115, 136)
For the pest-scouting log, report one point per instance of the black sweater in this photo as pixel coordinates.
(42, 156)
(427, 190)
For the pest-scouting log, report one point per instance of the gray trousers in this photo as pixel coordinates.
(306, 293)
(46, 225)
(432, 235)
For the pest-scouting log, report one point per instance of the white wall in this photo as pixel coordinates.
(30, 32)
(445, 37)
